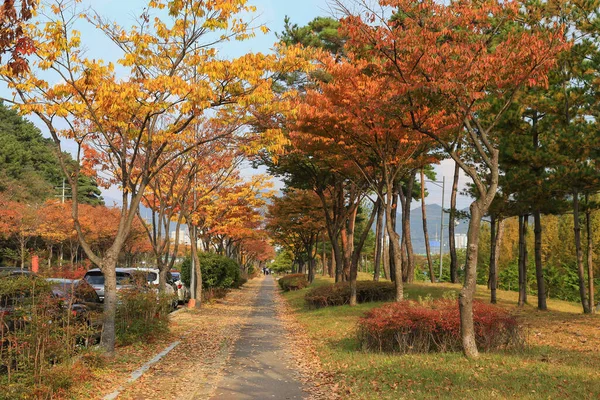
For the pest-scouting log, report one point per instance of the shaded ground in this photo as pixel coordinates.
(261, 366)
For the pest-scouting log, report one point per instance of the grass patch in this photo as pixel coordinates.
(562, 360)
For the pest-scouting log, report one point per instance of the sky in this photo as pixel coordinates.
(271, 13)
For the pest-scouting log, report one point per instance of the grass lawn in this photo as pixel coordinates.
(562, 359)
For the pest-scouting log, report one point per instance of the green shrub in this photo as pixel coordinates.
(293, 282)
(338, 294)
(434, 326)
(217, 271)
(142, 314)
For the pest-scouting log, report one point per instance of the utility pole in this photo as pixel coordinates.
(63, 191)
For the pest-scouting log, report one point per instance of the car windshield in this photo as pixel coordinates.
(175, 276)
(152, 276)
(96, 278)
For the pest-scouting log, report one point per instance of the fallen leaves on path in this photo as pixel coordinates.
(192, 369)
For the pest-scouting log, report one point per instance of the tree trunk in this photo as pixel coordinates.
(425, 233)
(311, 269)
(22, 244)
(386, 253)
(590, 253)
(193, 230)
(393, 215)
(332, 267)
(523, 222)
(356, 256)
(539, 273)
(451, 222)
(107, 341)
(395, 250)
(339, 259)
(378, 240)
(494, 223)
(580, 273)
(406, 200)
(349, 244)
(465, 298)
(324, 257)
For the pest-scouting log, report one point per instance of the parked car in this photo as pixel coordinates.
(154, 279)
(84, 303)
(11, 271)
(126, 277)
(183, 292)
(95, 278)
(76, 296)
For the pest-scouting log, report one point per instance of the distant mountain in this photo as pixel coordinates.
(433, 227)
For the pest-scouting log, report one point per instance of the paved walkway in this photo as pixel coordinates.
(260, 367)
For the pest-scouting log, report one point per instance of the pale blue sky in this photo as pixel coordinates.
(270, 13)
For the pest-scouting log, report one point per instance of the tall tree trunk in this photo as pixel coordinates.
(580, 273)
(395, 249)
(406, 200)
(108, 267)
(465, 297)
(356, 256)
(193, 231)
(425, 233)
(451, 222)
(590, 253)
(349, 245)
(393, 215)
(378, 240)
(539, 272)
(324, 256)
(332, 263)
(386, 252)
(492, 284)
(523, 224)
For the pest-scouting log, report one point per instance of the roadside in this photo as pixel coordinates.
(192, 368)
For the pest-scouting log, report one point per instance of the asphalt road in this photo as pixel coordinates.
(260, 367)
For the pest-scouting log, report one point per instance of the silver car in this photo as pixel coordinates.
(95, 278)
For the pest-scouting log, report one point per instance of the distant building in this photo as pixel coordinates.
(184, 237)
(461, 241)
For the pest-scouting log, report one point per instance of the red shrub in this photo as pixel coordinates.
(338, 294)
(410, 327)
(293, 282)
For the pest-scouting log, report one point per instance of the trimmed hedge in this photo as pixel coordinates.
(338, 294)
(411, 327)
(293, 282)
(218, 272)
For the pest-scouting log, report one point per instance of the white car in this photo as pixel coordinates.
(154, 278)
(183, 292)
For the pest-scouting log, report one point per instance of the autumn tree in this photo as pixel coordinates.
(446, 62)
(123, 126)
(296, 219)
(13, 36)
